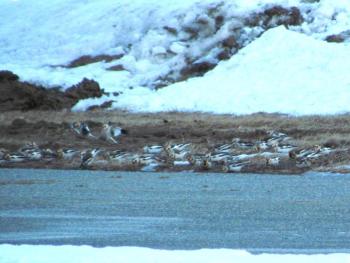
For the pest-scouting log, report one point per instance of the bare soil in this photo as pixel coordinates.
(19, 95)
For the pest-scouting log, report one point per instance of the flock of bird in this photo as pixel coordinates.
(239, 155)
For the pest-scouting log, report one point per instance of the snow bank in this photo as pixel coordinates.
(67, 254)
(283, 71)
(38, 38)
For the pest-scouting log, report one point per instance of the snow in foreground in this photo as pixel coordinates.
(85, 254)
(285, 70)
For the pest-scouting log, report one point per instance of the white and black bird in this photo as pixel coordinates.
(275, 138)
(176, 148)
(29, 146)
(302, 153)
(85, 130)
(238, 143)
(153, 149)
(82, 129)
(31, 151)
(15, 157)
(182, 155)
(234, 167)
(67, 154)
(121, 158)
(110, 133)
(221, 157)
(88, 156)
(181, 147)
(146, 159)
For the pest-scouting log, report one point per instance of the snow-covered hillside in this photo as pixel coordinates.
(221, 56)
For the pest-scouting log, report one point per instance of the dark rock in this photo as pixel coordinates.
(171, 30)
(87, 88)
(219, 21)
(18, 95)
(197, 69)
(163, 82)
(117, 93)
(192, 31)
(310, 1)
(230, 42)
(335, 38)
(116, 68)
(278, 15)
(224, 55)
(339, 38)
(104, 105)
(272, 16)
(8, 75)
(202, 21)
(85, 60)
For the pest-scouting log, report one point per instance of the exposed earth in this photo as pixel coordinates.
(18, 95)
(34, 114)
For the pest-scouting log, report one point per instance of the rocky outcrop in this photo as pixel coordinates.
(276, 16)
(19, 95)
(85, 89)
(85, 60)
(339, 38)
(227, 47)
(213, 34)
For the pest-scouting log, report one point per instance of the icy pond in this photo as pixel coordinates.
(290, 213)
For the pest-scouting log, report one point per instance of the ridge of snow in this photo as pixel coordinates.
(274, 74)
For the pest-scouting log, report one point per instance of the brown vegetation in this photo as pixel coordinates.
(51, 129)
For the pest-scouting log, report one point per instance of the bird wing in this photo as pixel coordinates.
(116, 131)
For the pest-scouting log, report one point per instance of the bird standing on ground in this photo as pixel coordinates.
(75, 126)
(82, 129)
(110, 133)
(85, 130)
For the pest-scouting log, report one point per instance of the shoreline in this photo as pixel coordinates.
(316, 143)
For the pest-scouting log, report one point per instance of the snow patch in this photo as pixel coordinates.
(86, 254)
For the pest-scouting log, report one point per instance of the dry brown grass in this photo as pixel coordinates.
(258, 120)
(306, 130)
(205, 131)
